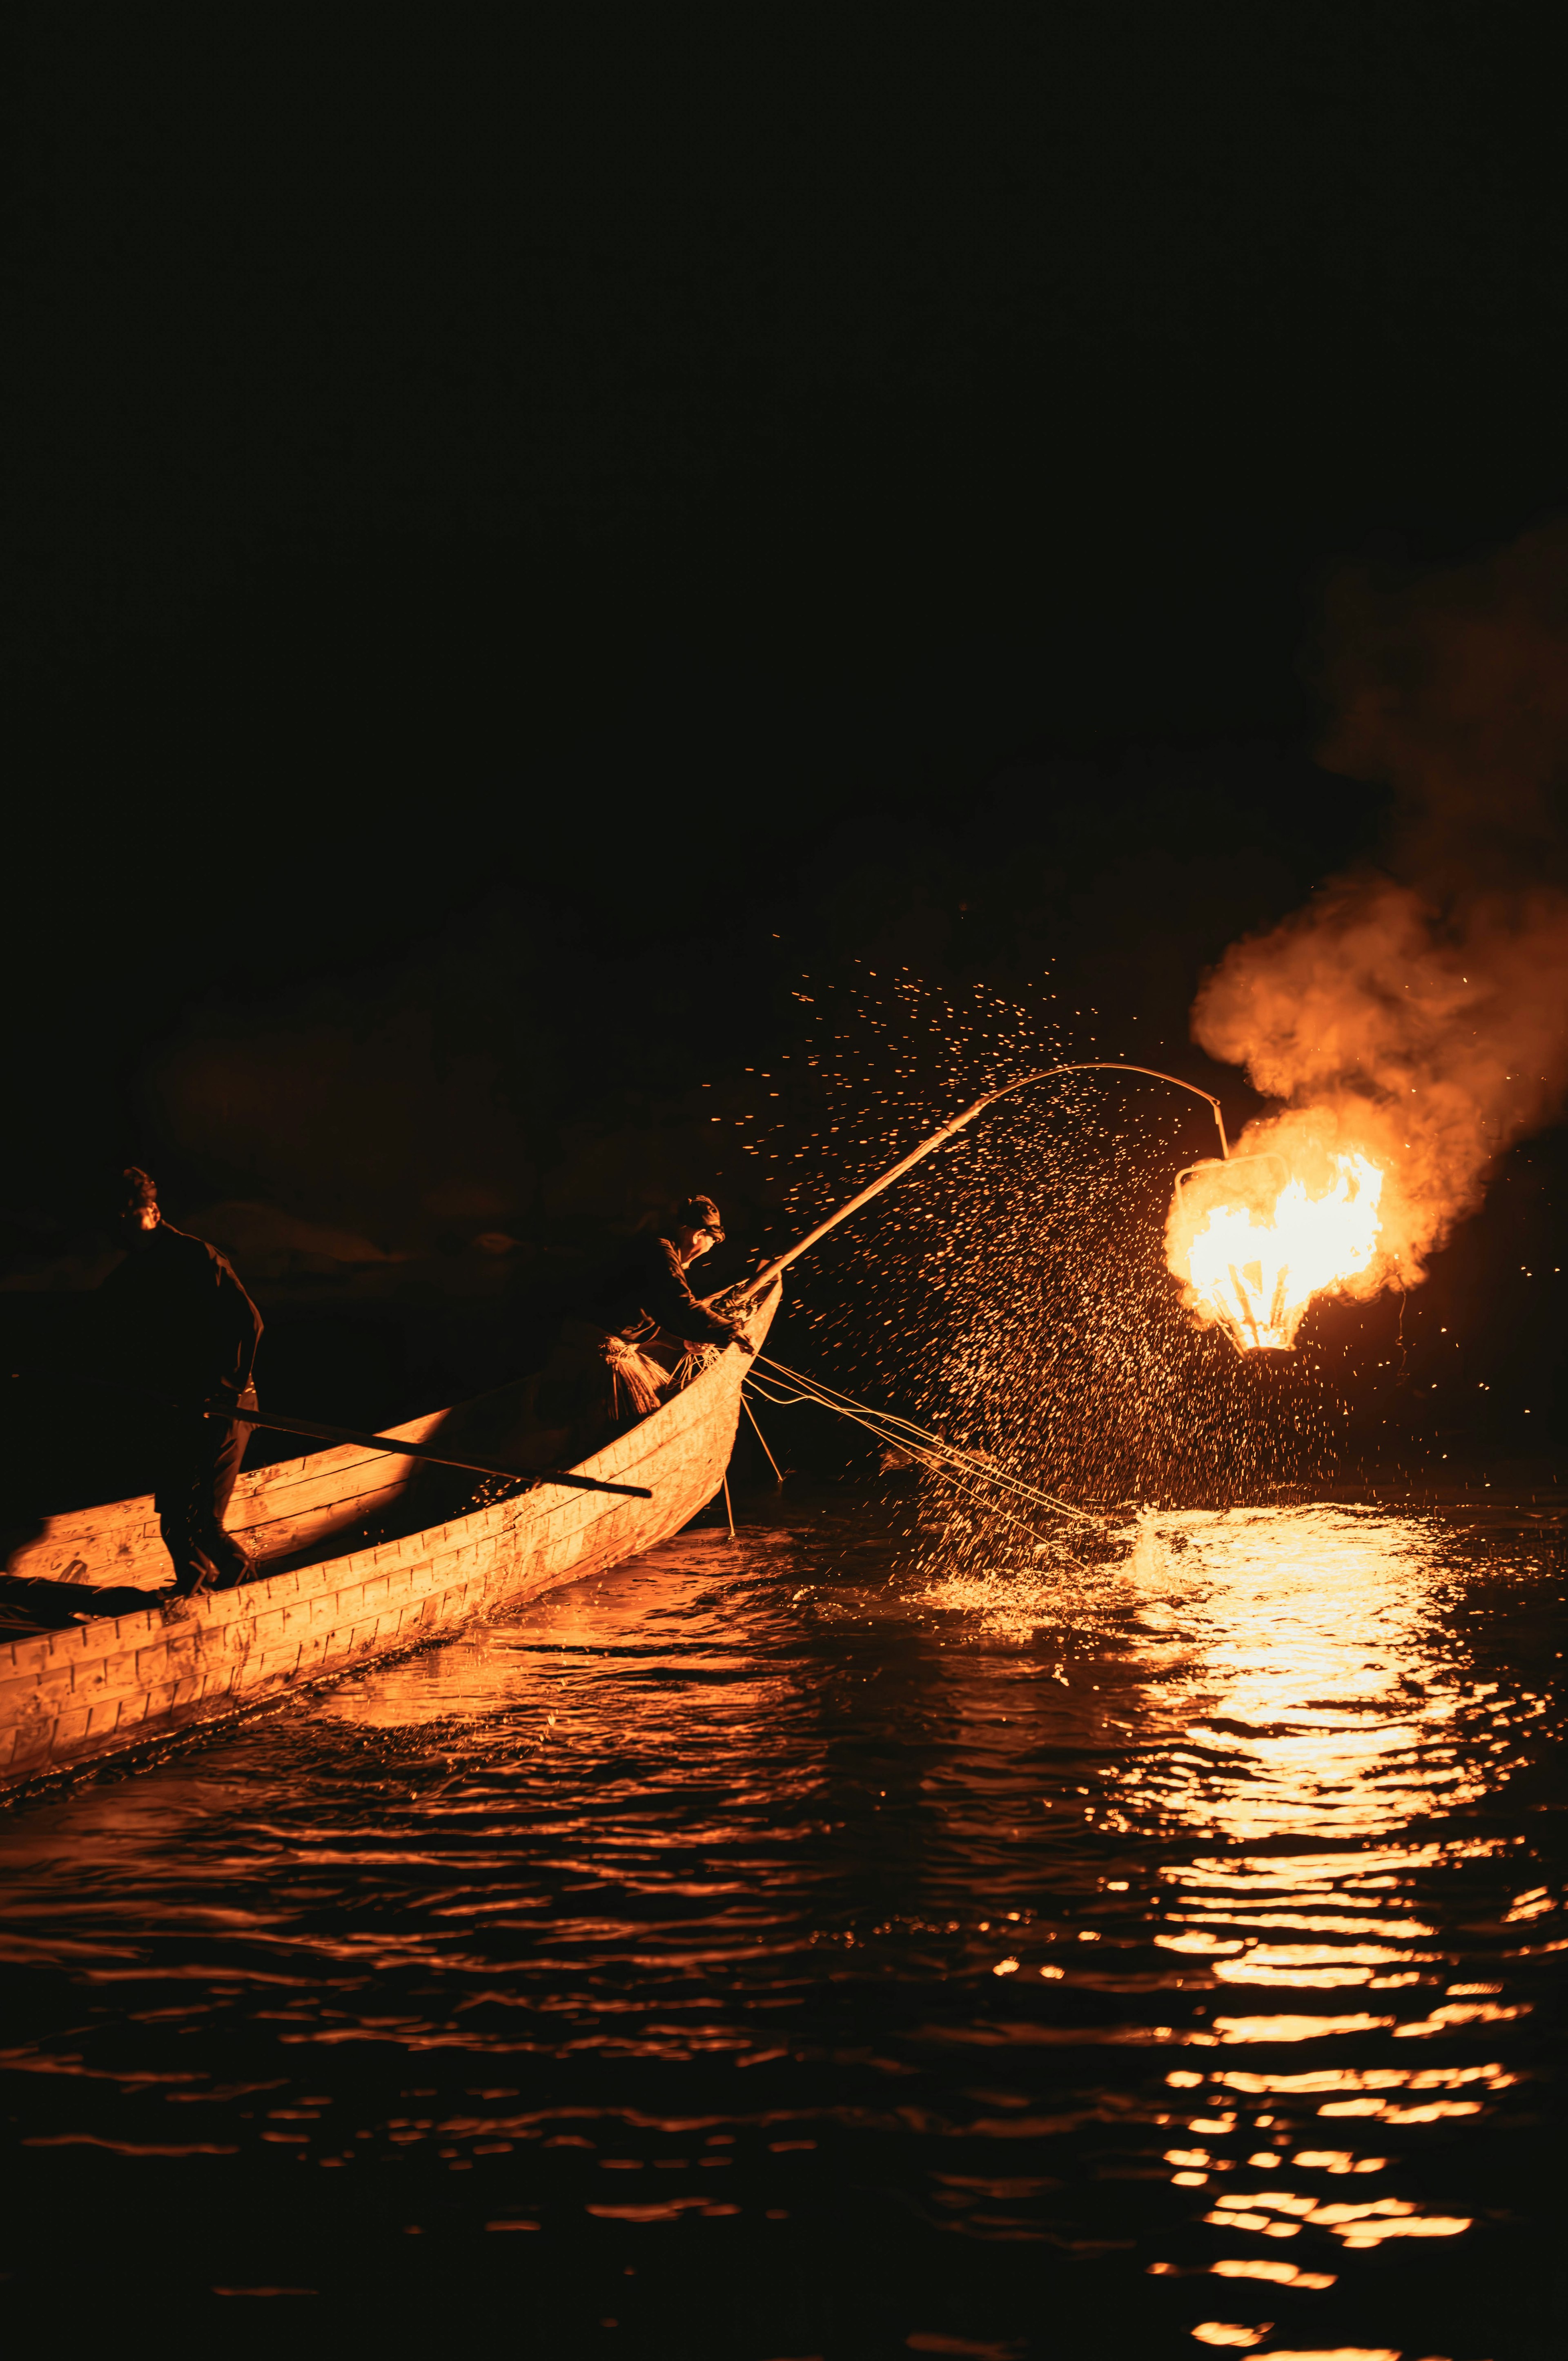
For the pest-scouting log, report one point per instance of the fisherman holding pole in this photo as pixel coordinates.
(182, 1329)
(602, 1372)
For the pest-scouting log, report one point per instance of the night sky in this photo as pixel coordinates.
(542, 530)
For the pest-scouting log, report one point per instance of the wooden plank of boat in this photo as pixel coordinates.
(116, 1682)
(276, 1510)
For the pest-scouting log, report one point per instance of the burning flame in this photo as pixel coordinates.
(1253, 1242)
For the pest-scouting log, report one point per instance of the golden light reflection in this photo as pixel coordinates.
(658, 1622)
(1282, 2274)
(1318, 1711)
(1285, 1708)
(1358, 2225)
(1323, 1695)
(1316, 1699)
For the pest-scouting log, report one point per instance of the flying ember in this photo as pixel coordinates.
(1253, 1241)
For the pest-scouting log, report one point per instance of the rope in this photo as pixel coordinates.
(962, 1469)
(895, 1429)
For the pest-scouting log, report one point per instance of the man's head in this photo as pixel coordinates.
(696, 1228)
(133, 1205)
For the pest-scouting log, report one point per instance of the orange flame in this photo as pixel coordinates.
(1254, 1240)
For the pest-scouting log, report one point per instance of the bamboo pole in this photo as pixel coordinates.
(390, 1444)
(396, 1449)
(759, 1279)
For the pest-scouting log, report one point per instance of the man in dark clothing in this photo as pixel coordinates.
(644, 1285)
(184, 1332)
(600, 1374)
(605, 1344)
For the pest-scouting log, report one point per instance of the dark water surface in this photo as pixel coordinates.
(774, 1948)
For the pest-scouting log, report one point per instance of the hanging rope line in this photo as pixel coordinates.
(965, 1469)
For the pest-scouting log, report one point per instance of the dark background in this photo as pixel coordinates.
(544, 535)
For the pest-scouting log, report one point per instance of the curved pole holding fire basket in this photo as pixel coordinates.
(939, 1138)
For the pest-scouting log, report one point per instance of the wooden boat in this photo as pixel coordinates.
(114, 1681)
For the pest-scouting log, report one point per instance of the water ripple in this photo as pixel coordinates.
(778, 1950)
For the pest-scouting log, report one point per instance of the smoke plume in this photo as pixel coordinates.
(1418, 1010)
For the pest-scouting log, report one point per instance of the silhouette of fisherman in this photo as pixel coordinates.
(623, 1311)
(641, 1289)
(603, 1348)
(184, 1333)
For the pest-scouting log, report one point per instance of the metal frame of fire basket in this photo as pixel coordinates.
(1228, 1163)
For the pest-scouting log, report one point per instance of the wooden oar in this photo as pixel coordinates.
(398, 1450)
(390, 1444)
(759, 1279)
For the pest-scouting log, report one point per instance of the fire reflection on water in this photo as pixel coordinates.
(1323, 1695)
(1176, 1917)
(1314, 1722)
(1304, 1680)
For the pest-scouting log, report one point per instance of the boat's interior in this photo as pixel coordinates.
(111, 1560)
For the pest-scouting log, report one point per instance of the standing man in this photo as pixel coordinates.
(184, 1332)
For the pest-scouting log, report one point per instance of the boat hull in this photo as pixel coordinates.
(106, 1686)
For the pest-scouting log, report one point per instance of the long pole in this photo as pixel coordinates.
(939, 1139)
(398, 1450)
(392, 1445)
